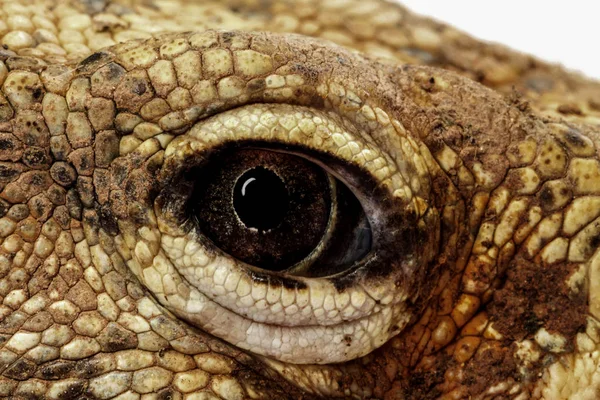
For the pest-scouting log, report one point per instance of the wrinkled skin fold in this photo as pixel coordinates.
(478, 168)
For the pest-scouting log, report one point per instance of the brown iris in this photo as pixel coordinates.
(265, 208)
(273, 210)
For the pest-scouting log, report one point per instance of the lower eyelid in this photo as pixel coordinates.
(212, 277)
(296, 344)
(292, 341)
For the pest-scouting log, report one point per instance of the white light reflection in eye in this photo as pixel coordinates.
(246, 184)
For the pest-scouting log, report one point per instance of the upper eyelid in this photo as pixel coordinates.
(266, 69)
(307, 128)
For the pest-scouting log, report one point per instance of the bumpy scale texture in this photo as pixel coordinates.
(104, 296)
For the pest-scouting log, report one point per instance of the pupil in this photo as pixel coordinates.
(260, 199)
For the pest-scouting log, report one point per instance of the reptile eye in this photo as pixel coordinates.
(278, 212)
(289, 224)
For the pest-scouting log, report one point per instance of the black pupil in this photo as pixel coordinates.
(260, 199)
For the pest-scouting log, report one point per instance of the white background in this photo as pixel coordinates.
(567, 32)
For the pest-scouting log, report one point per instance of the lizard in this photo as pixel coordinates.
(463, 178)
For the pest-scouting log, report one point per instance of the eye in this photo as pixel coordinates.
(278, 212)
(284, 231)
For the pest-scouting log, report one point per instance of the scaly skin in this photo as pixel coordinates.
(490, 290)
